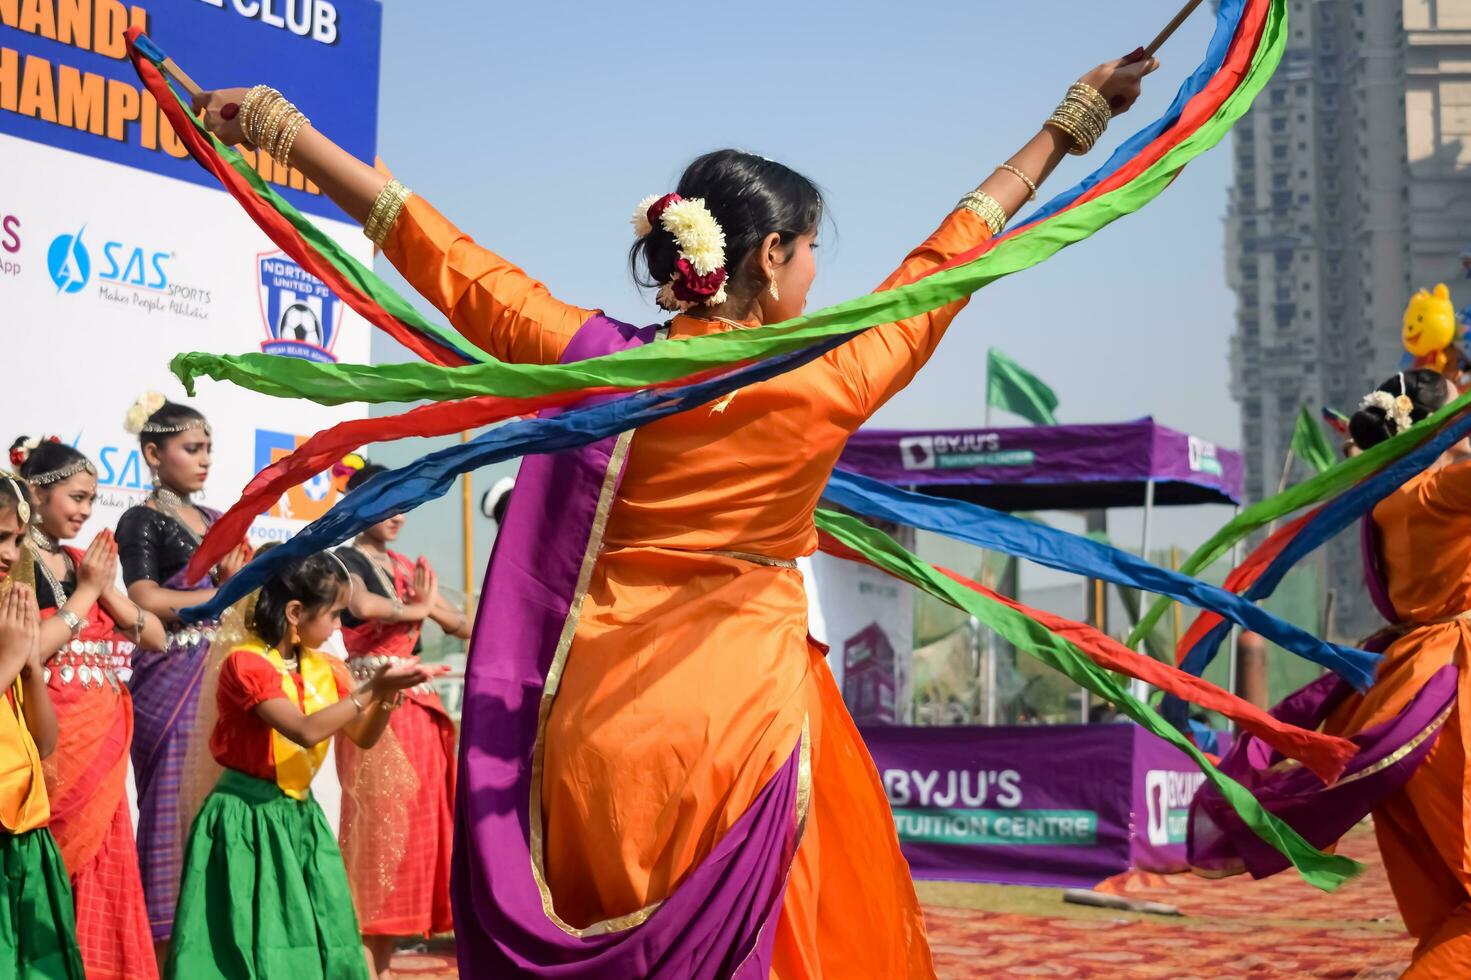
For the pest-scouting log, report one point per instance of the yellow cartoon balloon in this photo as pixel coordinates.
(1430, 326)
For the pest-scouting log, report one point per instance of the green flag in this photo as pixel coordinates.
(1012, 387)
(1310, 445)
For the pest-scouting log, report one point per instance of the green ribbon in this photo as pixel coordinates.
(1325, 871)
(639, 367)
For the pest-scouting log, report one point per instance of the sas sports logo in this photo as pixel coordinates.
(302, 503)
(301, 315)
(69, 262)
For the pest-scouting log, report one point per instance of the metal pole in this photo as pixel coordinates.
(1137, 687)
(467, 522)
(1233, 668)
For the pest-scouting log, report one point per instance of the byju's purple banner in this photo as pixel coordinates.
(1061, 805)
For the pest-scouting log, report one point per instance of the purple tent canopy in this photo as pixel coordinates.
(1051, 467)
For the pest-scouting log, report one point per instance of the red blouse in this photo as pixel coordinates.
(241, 740)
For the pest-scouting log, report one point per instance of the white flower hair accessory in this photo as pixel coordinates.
(699, 274)
(1396, 408)
(142, 410)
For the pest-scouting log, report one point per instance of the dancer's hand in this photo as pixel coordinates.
(1121, 80)
(426, 585)
(212, 104)
(20, 625)
(98, 570)
(233, 562)
(406, 673)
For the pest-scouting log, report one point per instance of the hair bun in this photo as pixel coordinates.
(20, 451)
(142, 410)
(1370, 426)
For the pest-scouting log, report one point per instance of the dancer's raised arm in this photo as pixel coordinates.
(881, 362)
(492, 302)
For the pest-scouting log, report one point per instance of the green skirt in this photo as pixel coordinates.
(264, 892)
(38, 928)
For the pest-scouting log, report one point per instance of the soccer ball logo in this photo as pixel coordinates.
(300, 323)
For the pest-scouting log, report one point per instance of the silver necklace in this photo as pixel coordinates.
(44, 541)
(50, 545)
(171, 504)
(389, 589)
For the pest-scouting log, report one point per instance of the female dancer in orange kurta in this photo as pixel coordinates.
(688, 678)
(1424, 531)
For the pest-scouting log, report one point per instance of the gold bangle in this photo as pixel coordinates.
(268, 124)
(1082, 139)
(289, 140)
(1031, 187)
(985, 206)
(353, 697)
(1073, 136)
(248, 107)
(268, 101)
(281, 122)
(385, 212)
(1091, 96)
(1091, 101)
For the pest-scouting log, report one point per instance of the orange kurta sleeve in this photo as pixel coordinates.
(497, 307)
(877, 364)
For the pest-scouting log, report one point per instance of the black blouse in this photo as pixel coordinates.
(152, 545)
(45, 598)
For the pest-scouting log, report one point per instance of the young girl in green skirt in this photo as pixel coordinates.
(38, 933)
(264, 893)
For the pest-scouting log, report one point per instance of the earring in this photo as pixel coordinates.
(771, 288)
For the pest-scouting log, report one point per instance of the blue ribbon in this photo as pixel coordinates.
(1066, 552)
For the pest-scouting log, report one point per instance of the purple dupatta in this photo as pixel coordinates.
(719, 921)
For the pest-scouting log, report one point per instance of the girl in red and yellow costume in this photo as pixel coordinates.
(85, 618)
(397, 825)
(37, 928)
(264, 893)
(682, 680)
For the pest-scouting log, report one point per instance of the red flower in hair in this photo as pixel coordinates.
(18, 456)
(691, 287)
(656, 210)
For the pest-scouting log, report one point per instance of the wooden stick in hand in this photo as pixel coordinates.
(1171, 28)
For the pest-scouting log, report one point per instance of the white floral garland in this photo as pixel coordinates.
(142, 410)
(1396, 408)
(699, 236)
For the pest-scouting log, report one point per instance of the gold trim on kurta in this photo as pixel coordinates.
(1404, 750)
(606, 496)
(1288, 765)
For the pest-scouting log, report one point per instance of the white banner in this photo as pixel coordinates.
(866, 618)
(108, 273)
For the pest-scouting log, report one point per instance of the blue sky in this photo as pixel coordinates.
(537, 127)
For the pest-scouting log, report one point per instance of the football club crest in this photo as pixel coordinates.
(301, 315)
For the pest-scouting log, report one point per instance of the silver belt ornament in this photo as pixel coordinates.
(88, 662)
(191, 637)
